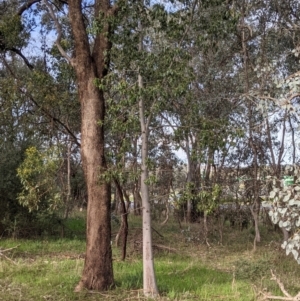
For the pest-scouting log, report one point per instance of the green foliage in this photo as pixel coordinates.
(246, 269)
(12, 34)
(164, 67)
(13, 216)
(25, 224)
(217, 20)
(118, 172)
(52, 267)
(24, 121)
(38, 175)
(209, 200)
(74, 227)
(205, 200)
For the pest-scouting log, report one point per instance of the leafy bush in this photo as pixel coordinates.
(245, 269)
(38, 174)
(285, 210)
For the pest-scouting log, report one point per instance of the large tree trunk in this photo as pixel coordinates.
(90, 65)
(97, 272)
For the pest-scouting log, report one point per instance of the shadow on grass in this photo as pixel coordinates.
(189, 279)
(177, 277)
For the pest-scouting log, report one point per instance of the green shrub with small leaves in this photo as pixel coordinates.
(38, 174)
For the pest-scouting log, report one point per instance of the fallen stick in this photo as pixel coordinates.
(162, 247)
(5, 250)
(157, 232)
(7, 258)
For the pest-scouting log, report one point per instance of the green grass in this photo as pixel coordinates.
(49, 269)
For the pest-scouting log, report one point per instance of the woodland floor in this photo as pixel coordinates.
(186, 267)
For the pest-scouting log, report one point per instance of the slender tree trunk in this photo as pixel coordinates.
(167, 214)
(208, 170)
(285, 234)
(137, 199)
(68, 196)
(255, 214)
(205, 228)
(149, 279)
(256, 206)
(166, 198)
(257, 203)
(123, 231)
(188, 180)
(293, 140)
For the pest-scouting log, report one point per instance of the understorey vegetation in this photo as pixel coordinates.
(178, 117)
(186, 266)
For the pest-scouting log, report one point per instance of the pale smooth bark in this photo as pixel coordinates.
(149, 279)
(188, 180)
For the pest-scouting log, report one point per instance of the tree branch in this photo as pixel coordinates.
(59, 32)
(287, 297)
(5, 250)
(46, 113)
(81, 42)
(27, 5)
(280, 284)
(17, 51)
(56, 120)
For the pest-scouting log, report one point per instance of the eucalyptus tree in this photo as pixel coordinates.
(122, 158)
(285, 99)
(83, 39)
(201, 119)
(263, 27)
(37, 99)
(165, 164)
(13, 143)
(150, 68)
(88, 55)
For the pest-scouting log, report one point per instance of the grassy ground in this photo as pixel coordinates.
(186, 269)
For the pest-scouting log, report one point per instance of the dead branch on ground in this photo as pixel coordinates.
(6, 250)
(288, 297)
(162, 247)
